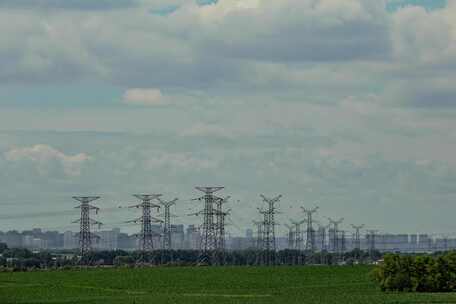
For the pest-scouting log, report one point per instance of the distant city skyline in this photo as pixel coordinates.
(186, 237)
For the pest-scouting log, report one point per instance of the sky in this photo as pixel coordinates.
(345, 104)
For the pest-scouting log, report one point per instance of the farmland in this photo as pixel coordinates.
(204, 285)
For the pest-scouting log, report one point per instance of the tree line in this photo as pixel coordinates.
(20, 259)
(423, 273)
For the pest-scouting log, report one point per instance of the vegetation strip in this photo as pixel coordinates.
(227, 295)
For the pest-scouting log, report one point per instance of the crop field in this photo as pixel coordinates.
(204, 285)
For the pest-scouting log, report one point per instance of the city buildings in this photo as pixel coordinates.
(188, 237)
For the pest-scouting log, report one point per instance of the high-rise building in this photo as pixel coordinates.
(108, 239)
(425, 243)
(177, 236)
(250, 238)
(69, 240)
(193, 238)
(13, 239)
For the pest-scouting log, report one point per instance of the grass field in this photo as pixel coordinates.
(204, 285)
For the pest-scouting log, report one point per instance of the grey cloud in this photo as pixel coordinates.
(433, 97)
(423, 71)
(68, 4)
(296, 49)
(190, 48)
(424, 92)
(310, 33)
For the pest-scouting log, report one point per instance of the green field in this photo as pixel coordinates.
(204, 285)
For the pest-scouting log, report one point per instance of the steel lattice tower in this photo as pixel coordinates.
(220, 223)
(209, 235)
(322, 236)
(259, 232)
(336, 246)
(342, 241)
(146, 235)
(221, 242)
(85, 234)
(290, 236)
(269, 235)
(371, 238)
(445, 242)
(221, 215)
(323, 239)
(310, 233)
(167, 241)
(264, 255)
(357, 240)
(298, 235)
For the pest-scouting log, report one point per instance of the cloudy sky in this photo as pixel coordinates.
(348, 102)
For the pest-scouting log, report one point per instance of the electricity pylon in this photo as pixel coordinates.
(146, 234)
(265, 254)
(323, 229)
(335, 240)
(221, 244)
(209, 236)
(341, 238)
(310, 233)
(220, 216)
(445, 241)
(259, 225)
(85, 234)
(269, 239)
(357, 240)
(167, 233)
(298, 239)
(290, 236)
(371, 242)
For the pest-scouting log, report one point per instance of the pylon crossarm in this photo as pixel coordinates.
(221, 200)
(136, 206)
(147, 197)
(289, 227)
(154, 206)
(95, 222)
(196, 213)
(197, 199)
(138, 220)
(209, 190)
(271, 200)
(168, 204)
(86, 199)
(156, 220)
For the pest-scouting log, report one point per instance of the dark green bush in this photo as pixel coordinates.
(418, 274)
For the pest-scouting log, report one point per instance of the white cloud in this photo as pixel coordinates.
(144, 97)
(46, 159)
